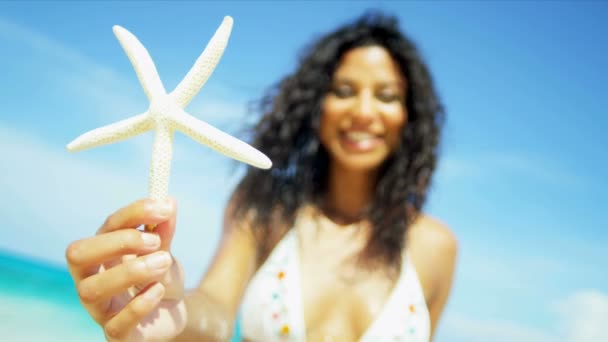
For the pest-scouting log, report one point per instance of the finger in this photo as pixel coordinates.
(83, 255)
(116, 261)
(146, 211)
(123, 323)
(142, 270)
(166, 229)
(173, 281)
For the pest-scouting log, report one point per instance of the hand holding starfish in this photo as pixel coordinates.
(126, 279)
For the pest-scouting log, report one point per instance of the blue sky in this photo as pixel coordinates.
(522, 175)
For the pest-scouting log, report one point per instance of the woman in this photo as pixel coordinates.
(331, 245)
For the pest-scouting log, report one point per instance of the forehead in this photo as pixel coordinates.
(369, 63)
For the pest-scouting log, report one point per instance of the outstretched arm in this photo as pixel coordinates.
(212, 306)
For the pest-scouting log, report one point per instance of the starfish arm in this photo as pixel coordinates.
(115, 132)
(142, 63)
(204, 65)
(220, 141)
(160, 165)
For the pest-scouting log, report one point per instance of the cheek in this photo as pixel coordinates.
(331, 112)
(332, 108)
(395, 122)
(325, 123)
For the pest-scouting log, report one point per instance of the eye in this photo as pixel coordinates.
(389, 96)
(343, 91)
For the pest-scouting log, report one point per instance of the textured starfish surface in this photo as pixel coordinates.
(166, 112)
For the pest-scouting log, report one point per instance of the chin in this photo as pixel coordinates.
(366, 162)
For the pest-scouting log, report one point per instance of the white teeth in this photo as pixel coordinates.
(359, 136)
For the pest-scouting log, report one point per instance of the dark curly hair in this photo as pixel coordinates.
(288, 134)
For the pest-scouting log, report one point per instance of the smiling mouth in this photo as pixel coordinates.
(359, 142)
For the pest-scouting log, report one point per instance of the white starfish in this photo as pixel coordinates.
(166, 113)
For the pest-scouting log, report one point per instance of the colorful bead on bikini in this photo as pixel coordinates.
(285, 329)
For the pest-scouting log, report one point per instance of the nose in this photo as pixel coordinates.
(364, 110)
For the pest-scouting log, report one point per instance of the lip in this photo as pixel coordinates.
(360, 141)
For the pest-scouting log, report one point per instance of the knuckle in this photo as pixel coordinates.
(86, 292)
(99, 316)
(138, 308)
(113, 332)
(140, 205)
(110, 222)
(73, 253)
(144, 207)
(132, 239)
(134, 270)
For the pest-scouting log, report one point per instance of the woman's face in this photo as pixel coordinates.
(364, 112)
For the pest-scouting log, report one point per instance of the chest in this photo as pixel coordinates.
(310, 289)
(339, 299)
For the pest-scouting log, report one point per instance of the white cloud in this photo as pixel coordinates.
(498, 165)
(79, 76)
(536, 167)
(583, 316)
(453, 169)
(51, 48)
(457, 327)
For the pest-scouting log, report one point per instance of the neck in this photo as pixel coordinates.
(349, 194)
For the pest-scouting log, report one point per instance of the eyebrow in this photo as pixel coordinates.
(396, 83)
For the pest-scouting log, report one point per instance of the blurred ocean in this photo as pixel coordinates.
(38, 303)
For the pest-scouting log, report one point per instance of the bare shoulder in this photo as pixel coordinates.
(430, 234)
(432, 247)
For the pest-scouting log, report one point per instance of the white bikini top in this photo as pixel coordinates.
(272, 309)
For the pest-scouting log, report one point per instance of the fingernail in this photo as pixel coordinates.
(158, 260)
(150, 240)
(154, 292)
